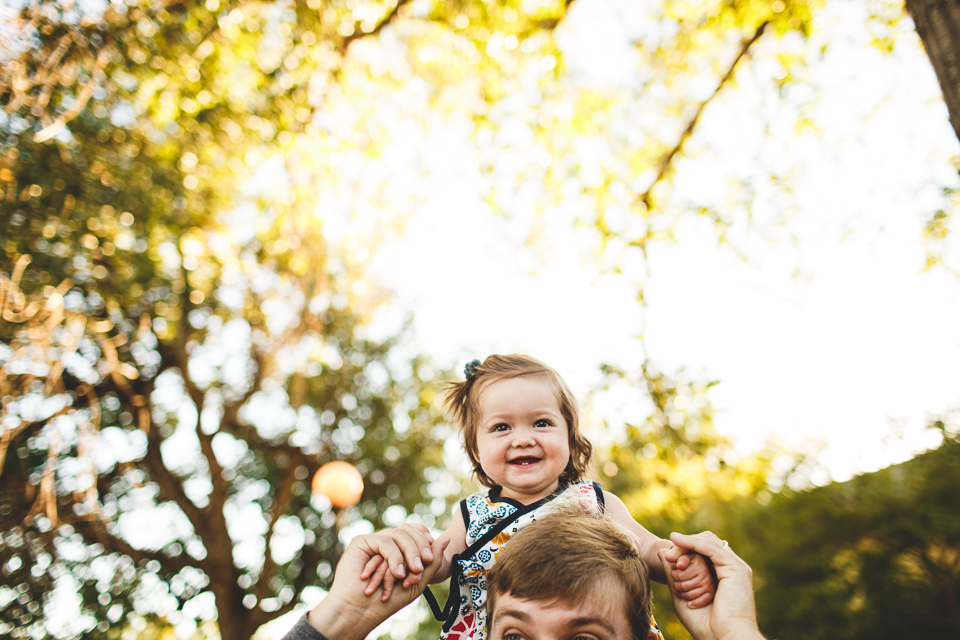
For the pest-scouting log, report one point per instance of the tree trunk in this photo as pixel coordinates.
(233, 619)
(938, 24)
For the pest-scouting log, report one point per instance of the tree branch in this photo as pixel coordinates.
(281, 504)
(93, 530)
(666, 162)
(938, 24)
(229, 421)
(170, 485)
(358, 33)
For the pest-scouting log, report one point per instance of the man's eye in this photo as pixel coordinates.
(513, 636)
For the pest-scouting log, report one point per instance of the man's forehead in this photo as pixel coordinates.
(602, 607)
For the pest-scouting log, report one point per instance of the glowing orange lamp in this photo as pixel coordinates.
(340, 482)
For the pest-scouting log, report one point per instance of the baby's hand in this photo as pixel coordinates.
(694, 581)
(402, 553)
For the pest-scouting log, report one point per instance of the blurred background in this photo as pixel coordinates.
(242, 239)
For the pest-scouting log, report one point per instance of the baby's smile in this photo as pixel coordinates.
(524, 461)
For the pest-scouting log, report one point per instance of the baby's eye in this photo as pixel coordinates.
(542, 423)
(502, 427)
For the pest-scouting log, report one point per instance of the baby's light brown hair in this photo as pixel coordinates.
(570, 555)
(461, 399)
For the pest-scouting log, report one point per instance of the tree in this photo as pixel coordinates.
(673, 470)
(938, 25)
(211, 446)
(876, 556)
(181, 349)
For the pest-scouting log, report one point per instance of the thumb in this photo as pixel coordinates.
(667, 570)
(438, 547)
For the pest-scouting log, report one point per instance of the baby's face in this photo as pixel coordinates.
(522, 438)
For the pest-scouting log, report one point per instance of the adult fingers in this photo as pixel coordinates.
(705, 543)
(400, 548)
(683, 556)
(436, 551)
(726, 563)
(423, 537)
(437, 547)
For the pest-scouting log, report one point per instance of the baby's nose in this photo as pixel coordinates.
(524, 440)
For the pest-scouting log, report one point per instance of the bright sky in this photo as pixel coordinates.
(830, 329)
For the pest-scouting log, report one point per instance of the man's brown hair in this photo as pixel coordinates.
(563, 556)
(461, 399)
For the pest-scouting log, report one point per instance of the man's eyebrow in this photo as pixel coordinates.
(513, 613)
(578, 622)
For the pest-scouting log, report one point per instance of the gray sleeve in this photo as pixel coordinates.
(303, 630)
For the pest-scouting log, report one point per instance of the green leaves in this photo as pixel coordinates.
(872, 557)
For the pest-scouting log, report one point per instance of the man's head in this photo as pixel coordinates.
(569, 573)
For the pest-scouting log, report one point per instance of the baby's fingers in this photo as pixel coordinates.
(701, 601)
(388, 582)
(368, 568)
(411, 579)
(412, 542)
(693, 593)
(685, 560)
(398, 549)
(684, 584)
(376, 579)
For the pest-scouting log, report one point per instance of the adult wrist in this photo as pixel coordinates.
(743, 632)
(339, 620)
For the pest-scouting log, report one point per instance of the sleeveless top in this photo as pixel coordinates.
(490, 522)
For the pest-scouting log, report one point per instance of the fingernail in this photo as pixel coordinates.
(401, 571)
(417, 564)
(427, 554)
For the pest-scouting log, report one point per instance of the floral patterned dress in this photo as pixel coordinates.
(490, 522)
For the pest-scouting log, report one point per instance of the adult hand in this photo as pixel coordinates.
(347, 613)
(732, 614)
(405, 546)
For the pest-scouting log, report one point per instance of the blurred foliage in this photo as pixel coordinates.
(674, 472)
(148, 475)
(666, 467)
(877, 556)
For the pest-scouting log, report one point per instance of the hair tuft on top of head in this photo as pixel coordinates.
(470, 369)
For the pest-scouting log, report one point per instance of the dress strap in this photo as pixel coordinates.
(600, 500)
(431, 599)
